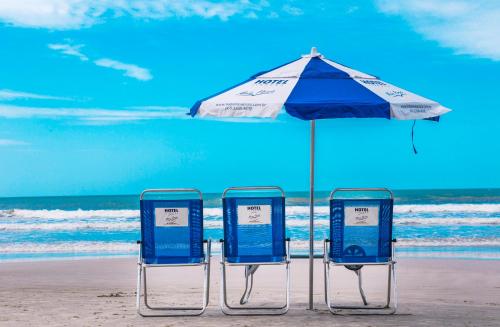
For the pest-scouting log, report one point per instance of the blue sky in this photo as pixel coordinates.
(93, 94)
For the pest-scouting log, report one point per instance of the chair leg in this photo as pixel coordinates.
(325, 282)
(328, 286)
(386, 309)
(247, 310)
(172, 311)
(138, 289)
(249, 271)
(394, 287)
(389, 286)
(360, 286)
(206, 283)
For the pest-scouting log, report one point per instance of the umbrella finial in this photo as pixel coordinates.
(314, 52)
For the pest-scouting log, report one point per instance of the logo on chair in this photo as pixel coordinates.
(171, 217)
(254, 214)
(361, 215)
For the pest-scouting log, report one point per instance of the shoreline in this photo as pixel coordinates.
(215, 256)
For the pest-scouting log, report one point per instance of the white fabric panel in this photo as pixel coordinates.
(361, 216)
(352, 72)
(293, 69)
(254, 214)
(171, 217)
(260, 97)
(404, 104)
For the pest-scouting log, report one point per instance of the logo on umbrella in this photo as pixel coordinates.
(395, 94)
(372, 82)
(250, 93)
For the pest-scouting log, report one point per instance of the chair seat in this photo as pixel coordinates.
(256, 259)
(173, 260)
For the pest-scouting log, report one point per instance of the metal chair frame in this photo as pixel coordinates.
(171, 311)
(252, 310)
(391, 274)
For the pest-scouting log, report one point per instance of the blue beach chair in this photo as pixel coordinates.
(254, 235)
(361, 234)
(172, 236)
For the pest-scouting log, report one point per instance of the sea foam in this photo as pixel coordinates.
(217, 212)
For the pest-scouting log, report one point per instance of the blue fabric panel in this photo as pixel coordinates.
(270, 70)
(179, 244)
(334, 98)
(254, 243)
(351, 244)
(317, 68)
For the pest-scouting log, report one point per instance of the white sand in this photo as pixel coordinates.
(82, 293)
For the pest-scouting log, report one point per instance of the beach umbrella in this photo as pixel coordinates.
(314, 87)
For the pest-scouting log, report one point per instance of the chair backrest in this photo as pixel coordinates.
(254, 224)
(361, 225)
(171, 226)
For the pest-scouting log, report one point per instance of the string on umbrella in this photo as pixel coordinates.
(413, 137)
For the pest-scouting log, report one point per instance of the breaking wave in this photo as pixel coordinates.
(131, 247)
(217, 212)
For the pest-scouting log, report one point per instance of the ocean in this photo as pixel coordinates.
(427, 223)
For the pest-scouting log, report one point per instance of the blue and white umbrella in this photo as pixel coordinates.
(313, 87)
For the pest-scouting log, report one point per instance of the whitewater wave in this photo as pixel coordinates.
(451, 207)
(217, 212)
(135, 225)
(418, 242)
(466, 221)
(67, 214)
(451, 241)
(69, 247)
(83, 247)
(119, 226)
(411, 208)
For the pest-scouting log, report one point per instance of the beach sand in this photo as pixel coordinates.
(101, 292)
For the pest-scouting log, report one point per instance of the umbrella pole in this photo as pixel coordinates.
(311, 217)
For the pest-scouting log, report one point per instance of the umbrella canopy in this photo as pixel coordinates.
(313, 87)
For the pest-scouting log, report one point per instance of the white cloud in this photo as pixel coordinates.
(94, 115)
(70, 50)
(129, 70)
(103, 116)
(468, 27)
(74, 14)
(251, 15)
(8, 95)
(8, 142)
(294, 11)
